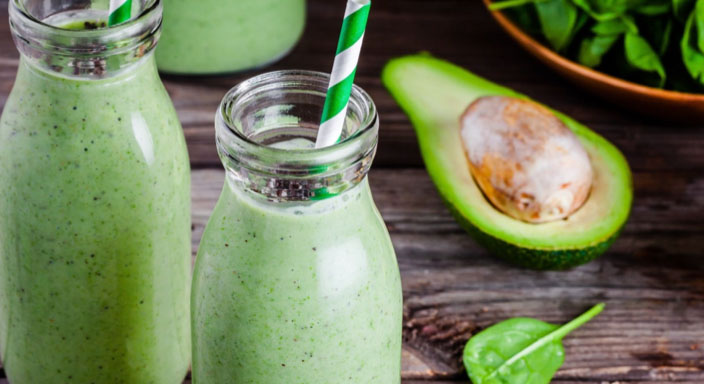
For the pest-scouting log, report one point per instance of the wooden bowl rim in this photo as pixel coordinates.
(539, 49)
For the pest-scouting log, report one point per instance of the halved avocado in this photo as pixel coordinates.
(434, 94)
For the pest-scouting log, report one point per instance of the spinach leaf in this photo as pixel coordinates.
(611, 6)
(699, 21)
(526, 17)
(606, 34)
(499, 5)
(588, 31)
(557, 18)
(682, 8)
(658, 31)
(584, 4)
(665, 38)
(653, 7)
(593, 49)
(640, 55)
(617, 26)
(598, 15)
(582, 21)
(693, 58)
(520, 350)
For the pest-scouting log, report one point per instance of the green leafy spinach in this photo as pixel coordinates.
(691, 55)
(642, 56)
(520, 350)
(594, 48)
(658, 43)
(557, 18)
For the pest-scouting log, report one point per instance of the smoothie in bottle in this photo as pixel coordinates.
(296, 279)
(220, 36)
(94, 203)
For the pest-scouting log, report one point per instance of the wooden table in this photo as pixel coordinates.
(652, 279)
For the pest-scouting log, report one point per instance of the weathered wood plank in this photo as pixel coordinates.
(652, 281)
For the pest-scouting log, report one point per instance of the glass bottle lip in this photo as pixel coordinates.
(332, 169)
(86, 51)
(348, 148)
(18, 11)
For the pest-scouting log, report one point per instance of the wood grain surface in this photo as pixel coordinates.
(652, 279)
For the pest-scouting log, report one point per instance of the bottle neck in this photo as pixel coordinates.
(70, 39)
(142, 70)
(295, 175)
(280, 187)
(357, 194)
(266, 128)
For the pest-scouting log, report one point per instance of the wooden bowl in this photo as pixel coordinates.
(667, 105)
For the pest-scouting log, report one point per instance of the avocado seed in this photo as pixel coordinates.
(525, 160)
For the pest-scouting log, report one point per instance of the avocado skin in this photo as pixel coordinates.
(538, 259)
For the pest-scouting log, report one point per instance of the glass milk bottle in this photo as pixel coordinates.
(296, 279)
(94, 203)
(221, 36)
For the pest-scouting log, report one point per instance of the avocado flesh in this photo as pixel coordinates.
(434, 94)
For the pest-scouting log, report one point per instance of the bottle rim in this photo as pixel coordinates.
(341, 165)
(18, 10)
(84, 52)
(348, 147)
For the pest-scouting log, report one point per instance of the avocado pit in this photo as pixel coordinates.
(526, 161)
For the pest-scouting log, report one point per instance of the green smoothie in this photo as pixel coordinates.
(219, 36)
(94, 230)
(296, 279)
(296, 293)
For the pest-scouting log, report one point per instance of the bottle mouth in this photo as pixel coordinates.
(70, 38)
(266, 128)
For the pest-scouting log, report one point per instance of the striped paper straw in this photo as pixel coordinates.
(343, 71)
(120, 11)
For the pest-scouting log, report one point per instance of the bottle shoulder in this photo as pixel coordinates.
(54, 111)
(239, 224)
(83, 128)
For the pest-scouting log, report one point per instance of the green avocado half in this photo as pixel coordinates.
(434, 94)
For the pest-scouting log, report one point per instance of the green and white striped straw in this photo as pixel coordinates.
(343, 71)
(120, 11)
